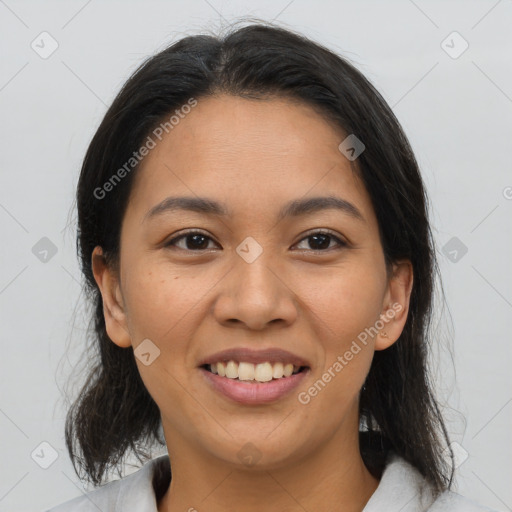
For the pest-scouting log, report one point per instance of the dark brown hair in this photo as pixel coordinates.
(114, 412)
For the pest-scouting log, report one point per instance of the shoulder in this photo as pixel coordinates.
(453, 502)
(133, 492)
(403, 488)
(103, 498)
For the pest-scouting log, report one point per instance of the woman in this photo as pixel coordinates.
(253, 230)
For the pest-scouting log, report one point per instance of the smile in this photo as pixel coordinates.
(244, 371)
(253, 391)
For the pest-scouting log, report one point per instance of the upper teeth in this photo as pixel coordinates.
(262, 372)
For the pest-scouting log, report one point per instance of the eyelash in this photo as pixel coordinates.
(328, 233)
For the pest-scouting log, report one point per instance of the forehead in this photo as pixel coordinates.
(255, 152)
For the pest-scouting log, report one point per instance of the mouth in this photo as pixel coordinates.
(244, 371)
(254, 377)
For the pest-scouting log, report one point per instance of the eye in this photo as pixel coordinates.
(193, 241)
(321, 240)
(198, 241)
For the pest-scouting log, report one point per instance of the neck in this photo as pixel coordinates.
(334, 478)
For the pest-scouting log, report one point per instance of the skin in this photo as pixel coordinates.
(254, 156)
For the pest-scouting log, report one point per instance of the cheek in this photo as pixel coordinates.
(347, 300)
(162, 303)
(347, 304)
(159, 298)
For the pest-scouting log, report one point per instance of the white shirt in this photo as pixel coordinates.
(401, 489)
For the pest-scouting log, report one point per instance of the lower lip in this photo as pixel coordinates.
(252, 393)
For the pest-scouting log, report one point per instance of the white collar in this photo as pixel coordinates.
(401, 489)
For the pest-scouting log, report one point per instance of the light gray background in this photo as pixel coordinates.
(457, 113)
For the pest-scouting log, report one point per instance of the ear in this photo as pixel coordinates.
(395, 306)
(113, 307)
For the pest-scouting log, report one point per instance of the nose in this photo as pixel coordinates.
(255, 295)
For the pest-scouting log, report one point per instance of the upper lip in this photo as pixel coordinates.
(248, 355)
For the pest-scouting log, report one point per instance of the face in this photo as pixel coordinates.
(193, 282)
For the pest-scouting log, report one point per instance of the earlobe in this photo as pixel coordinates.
(395, 306)
(113, 307)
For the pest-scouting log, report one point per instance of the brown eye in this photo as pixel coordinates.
(321, 241)
(194, 241)
(198, 241)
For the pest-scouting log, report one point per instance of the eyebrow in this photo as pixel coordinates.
(294, 208)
